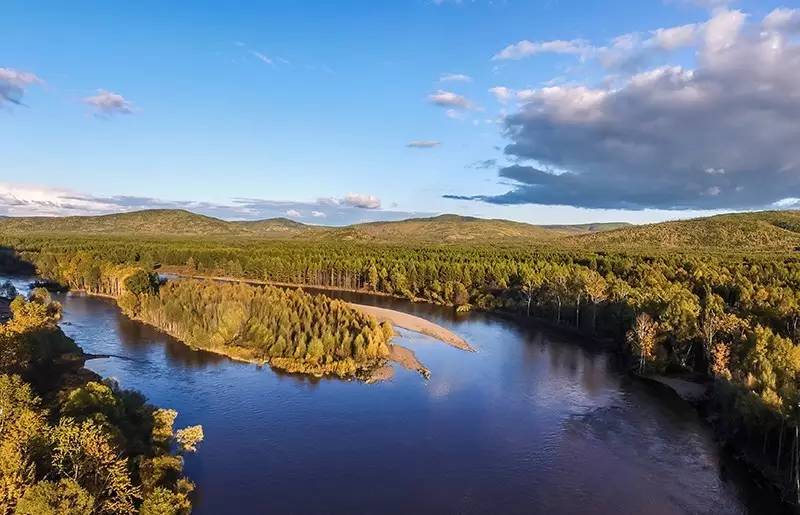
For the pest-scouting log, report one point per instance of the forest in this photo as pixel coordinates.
(287, 328)
(729, 317)
(71, 443)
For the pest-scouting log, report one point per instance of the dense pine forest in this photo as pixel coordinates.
(73, 444)
(289, 329)
(732, 316)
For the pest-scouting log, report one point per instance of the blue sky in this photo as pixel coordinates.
(256, 109)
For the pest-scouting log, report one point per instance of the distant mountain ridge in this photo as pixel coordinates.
(178, 222)
(761, 231)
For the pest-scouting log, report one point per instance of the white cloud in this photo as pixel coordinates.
(455, 77)
(722, 30)
(24, 200)
(450, 100)
(526, 48)
(361, 200)
(106, 103)
(34, 200)
(13, 84)
(674, 38)
(423, 144)
(627, 52)
(783, 20)
(721, 134)
(501, 93)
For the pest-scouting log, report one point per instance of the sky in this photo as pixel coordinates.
(545, 111)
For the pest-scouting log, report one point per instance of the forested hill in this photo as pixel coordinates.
(176, 222)
(162, 222)
(756, 231)
(448, 228)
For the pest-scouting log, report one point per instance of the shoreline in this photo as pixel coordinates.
(415, 324)
(365, 374)
(667, 383)
(698, 396)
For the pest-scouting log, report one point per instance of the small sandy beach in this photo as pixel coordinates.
(416, 324)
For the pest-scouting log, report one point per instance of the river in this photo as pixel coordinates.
(533, 422)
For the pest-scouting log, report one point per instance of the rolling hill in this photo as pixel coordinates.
(152, 222)
(755, 231)
(446, 229)
(742, 232)
(168, 222)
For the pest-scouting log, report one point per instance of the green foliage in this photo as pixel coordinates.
(66, 497)
(141, 282)
(93, 448)
(720, 295)
(188, 438)
(166, 502)
(287, 328)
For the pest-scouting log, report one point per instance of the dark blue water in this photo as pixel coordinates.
(531, 423)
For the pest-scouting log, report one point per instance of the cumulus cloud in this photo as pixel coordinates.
(106, 103)
(455, 77)
(450, 100)
(526, 48)
(676, 37)
(361, 200)
(783, 20)
(627, 52)
(425, 143)
(501, 93)
(13, 84)
(719, 135)
(32, 200)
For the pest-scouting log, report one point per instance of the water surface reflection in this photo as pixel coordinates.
(531, 423)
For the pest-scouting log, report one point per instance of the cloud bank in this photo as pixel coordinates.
(720, 135)
(30, 200)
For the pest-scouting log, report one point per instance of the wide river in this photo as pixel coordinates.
(533, 422)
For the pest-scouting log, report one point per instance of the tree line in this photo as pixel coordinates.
(71, 443)
(287, 328)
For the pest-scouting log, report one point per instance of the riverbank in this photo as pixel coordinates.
(354, 366)
(690, 391)
(699, 395)
(291, 423)
(416, 324)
